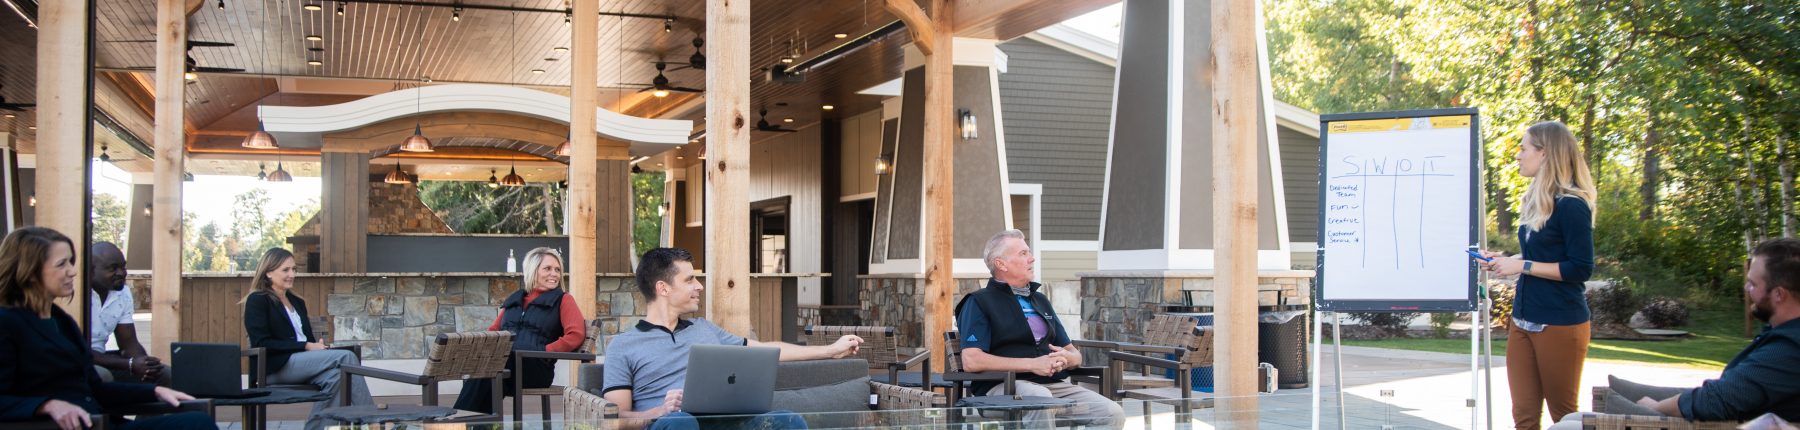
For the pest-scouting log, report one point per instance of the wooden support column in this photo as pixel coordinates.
(727, 165)
(344, 213)
(171, 160)
(932, 35)
(584, 242)
(1233, 73)
(62, 106)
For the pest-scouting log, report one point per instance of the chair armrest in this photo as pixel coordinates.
(160, 408)
(976, 376)
(1095, 344)
(405, 378)
(924, 357)
(1600, 398)
(921, 357)
(354, 349)
(1117, 356)
(1099, 371)
(584, 408)
(582, 357)
(1135, 347)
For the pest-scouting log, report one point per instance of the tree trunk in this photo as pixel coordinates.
(1537, 61)
(1503, 215)
(1652, 169)
(1787, 186)
(1760, 218)
(1587, 132)
(549, 210)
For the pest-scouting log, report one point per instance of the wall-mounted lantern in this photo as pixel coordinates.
(884, 163)
(966, 123)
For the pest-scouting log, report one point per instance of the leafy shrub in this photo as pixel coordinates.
(1613, 304)
(1663, 312)
(1391, 322)
(1440, 323)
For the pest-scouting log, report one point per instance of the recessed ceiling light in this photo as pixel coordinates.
(657, 164)
(11, 116)
(828, 107)
(678, 157)
(840, 35)
(32, 127)
(560, 49)
(314, 38)
(313, 7)
(315, 63)
(787, 120)
(537, 71)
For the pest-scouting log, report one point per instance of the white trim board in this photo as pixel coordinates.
(1069, 245)
(914, 266)
(1184, 259)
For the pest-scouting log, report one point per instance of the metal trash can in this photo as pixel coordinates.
(1281, 341)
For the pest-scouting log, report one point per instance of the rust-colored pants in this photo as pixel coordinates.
(1545, 368)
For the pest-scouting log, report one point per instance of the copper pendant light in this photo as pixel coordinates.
(260, 139)
(417, 142)
(565, 149)
(280, 175)
(513, 179)
(397, 176)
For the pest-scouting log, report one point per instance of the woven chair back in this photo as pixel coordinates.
(469, 355)
(1180, 331)
(880, 345)
(595, 339)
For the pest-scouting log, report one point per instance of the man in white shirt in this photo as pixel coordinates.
(111, 316)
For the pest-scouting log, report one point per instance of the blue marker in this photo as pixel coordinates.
(1478, 256)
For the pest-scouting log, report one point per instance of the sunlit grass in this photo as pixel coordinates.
(1717, 337)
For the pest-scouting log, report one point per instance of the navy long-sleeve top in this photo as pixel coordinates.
(1566, 240)
(1759, 380)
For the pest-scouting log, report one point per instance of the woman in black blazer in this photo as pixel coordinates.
(46, 369)
(276, 321)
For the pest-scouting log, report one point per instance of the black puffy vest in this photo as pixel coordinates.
(534, 325)
(1011, 334)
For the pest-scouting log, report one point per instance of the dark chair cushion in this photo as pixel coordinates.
(815, 373)
(911, 380)
(1633, 391)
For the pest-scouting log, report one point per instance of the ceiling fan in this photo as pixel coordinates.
(193, 66)
(15, 107)
(661, 84)
(762, 123)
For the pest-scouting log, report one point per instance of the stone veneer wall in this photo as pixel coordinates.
(1116, 306)
(897, 301)
(394, 318)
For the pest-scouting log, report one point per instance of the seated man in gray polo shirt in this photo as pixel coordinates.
(646, 365)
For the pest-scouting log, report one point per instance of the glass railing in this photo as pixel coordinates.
(1269, 411)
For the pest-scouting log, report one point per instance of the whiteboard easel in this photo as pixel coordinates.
(1393, 194)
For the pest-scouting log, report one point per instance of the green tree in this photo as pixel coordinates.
(475, 207)
(109, 219)
(647, 201)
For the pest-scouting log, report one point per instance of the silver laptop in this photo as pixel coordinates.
(729, 379)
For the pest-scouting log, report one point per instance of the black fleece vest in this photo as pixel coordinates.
(1010, 333)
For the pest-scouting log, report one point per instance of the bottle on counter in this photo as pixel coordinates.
(512, 264)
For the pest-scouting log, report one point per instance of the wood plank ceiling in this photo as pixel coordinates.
(405, 44)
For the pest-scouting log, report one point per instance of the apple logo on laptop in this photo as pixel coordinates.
(731, 379)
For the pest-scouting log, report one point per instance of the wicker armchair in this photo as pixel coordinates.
(1172, 336)
(454, 357)
(1604, 421)
(881, 348)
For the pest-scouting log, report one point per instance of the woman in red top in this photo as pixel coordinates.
(542, 318)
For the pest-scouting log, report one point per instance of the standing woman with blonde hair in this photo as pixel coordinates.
(276, 321)
(1547, 343)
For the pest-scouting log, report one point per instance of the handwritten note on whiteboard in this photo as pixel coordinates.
(1398, 210)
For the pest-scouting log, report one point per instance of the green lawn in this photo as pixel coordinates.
(1717, 337)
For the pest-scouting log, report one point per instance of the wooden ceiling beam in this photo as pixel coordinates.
(918, 24)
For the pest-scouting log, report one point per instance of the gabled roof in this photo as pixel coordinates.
(1107, 52)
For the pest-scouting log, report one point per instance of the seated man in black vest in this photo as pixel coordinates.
(1009, 326)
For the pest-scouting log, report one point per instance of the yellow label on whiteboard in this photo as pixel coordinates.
(1398, 124)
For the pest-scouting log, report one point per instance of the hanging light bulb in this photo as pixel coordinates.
(340, 8)
(280, 175)
(660, 93)
(493, 181)
(221, 4)
(103, 157)
(456, 14)
(568, 18)
(190, 76)
(668, 25)
(262, 171)
(397, 176)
